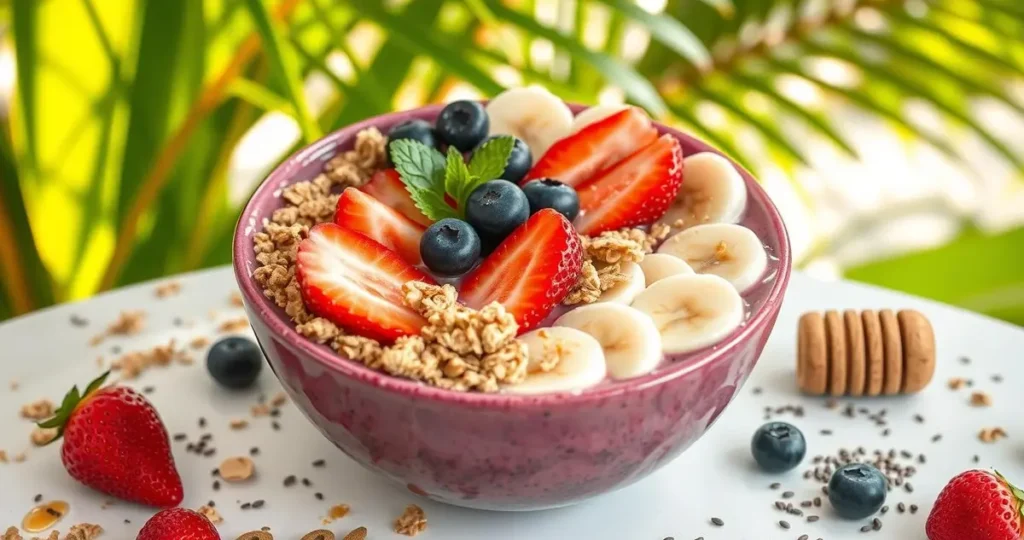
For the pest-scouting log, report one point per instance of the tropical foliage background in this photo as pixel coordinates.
(135, 129)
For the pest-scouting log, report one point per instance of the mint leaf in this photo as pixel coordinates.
(457, 178)
(422, 170)
(490, 159)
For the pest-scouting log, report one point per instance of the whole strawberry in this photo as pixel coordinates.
(115, 443)
(977, 505)
(178, 524)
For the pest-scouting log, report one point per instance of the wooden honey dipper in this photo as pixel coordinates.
(864, 353)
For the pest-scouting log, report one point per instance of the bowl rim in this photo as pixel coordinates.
(271, 317)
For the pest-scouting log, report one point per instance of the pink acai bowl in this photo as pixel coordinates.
(497, 451)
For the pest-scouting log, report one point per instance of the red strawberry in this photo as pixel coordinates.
(579, 157)
(365, 215)
(977, 505)
(638, 190)
(530, 271)
(386, 186)
(178, 524)
(114, 442)
(356, 283)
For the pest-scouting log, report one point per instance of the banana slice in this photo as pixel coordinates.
(625, 291)
(628, 338)
(731, 251)
(658, 266)
(594, 114)
(531, 113)
(580, 361)
(712, 192)
(691, 311)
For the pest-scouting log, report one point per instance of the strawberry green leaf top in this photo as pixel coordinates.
(71, 401)
(430, 176)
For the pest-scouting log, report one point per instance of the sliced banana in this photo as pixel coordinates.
(531, 113)
(712, 192)
(628, 338)
(731, 251)
(691, 311)
(625, 291)
(595, 114)
(658, 266)
(579, 356)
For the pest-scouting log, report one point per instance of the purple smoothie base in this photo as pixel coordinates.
(501, 451)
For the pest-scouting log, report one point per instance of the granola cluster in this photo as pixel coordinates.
(603, 256)
(459, 348)
(132, 364)
(82, 531)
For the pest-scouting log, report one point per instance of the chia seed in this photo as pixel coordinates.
(784, 524)
(717, 522)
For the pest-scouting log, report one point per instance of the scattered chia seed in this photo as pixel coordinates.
(319, 496)
(216, 485)
(803, 537)
(784, 524)
(780, 505)
(148, 389)
(180, 436)
(275, 425)
(901, 508)
(806, 504)
(918, 418)
(817, 502)
(997, 378)
(717, 522)
(215, 472)
(756, 391)
(254, 451)
(37, 498)
(319, 463)
(258, 503)
(202, 422)
(913, 509)
(937, 437)
(886, 432)
(127, 521)
(246, 506)
(876, 524)
(211, 504)
(116, 349)
(908, 487)
(210, 452)
(883, 510)
(775, 485)
(289, 480)
(78, 320)
(812, 519)
(178, 321)
(826, 432)
(965, 360)
(866, 528)
(274, 413)
(306, 482)
(787, 495)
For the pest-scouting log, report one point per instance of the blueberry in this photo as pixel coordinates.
(450, 247)
(519, 161)
(417, 130)
(463, 124)
(778, 447)
(857, 490)
(495, 209)
(234, 362)
(550, 193)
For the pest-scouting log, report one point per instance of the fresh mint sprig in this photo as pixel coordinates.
(429, 176)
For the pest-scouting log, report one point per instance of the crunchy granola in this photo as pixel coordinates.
(38, 410)
(11, 534)
(133, 363)
(211, 514)
(42, 436)
(168, 289)
(354, 167)
(603, 256)
(84, 531)
(412, 521)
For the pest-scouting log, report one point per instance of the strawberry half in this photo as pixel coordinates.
(579, 157)
(115, 443)
(178, 524)
(386, 186)
(977, 505)
(356, 283)
(530, 272)
(365, 215)
(638, 190)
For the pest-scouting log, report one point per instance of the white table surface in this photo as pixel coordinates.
(45, 354)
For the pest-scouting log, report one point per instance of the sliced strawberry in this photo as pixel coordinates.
(377, 221)
(638, 190)
(530, 272)
(356, 283)
(387, 187)
(579, 157)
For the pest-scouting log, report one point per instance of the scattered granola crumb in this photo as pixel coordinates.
(99, 361)
(336, 512)
(412, 521)
(168, 289)
(260, 409)
(38, 410)
(127, 323)
(20, 457)
(235, 300)
(84, 531)
(279, 399)
(13, 385)
(236, 469)
(11, 534)
(199, 342)
(239, 423)
(211, 514)
(981, 399)
(41, 436)
(233, 325)
(319, 534)
(3, 456)
(134, 363)
(358, 533)
(990, 435)
(956, 383)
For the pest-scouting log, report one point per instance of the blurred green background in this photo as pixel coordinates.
(889, 132)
